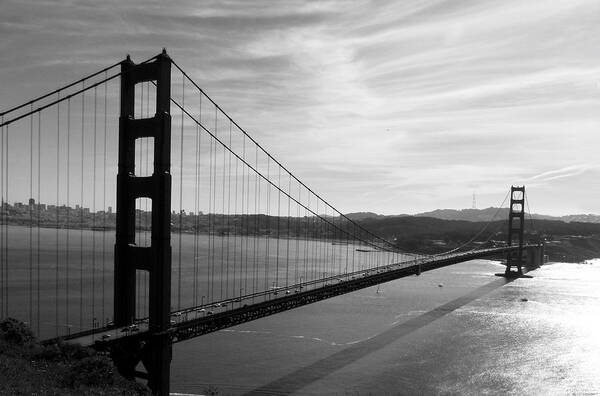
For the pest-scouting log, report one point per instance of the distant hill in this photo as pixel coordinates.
(477, 215)
(467, 214)
(359, 216)
(581, 218)
(488, 213)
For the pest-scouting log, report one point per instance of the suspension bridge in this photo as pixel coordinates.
(208, 230)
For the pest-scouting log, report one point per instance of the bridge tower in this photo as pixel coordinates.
(154, 351)
(516, 224)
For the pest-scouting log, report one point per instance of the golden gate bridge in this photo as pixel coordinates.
(210, 230)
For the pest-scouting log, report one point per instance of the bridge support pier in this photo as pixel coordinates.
(154, 351)
(535, 256)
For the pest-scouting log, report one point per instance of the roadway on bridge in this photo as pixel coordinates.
(195, 321)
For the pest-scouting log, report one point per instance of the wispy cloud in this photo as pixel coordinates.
(569, 171)
(396, 99)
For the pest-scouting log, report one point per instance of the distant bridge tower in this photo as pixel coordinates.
(516, 224)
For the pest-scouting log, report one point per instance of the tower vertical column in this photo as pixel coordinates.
(155, 259)
(516, 224)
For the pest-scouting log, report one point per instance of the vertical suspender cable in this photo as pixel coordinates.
(246, 212)
(307, 261)
(327, 227)
(68, 214)
(180, 198)
(332, 245)
(236, 231)
(211, 219)
(200, 194)
(39, 213)
(3, 225)
(240, 219)
(104, 208)
(214, 203)
(226, 226)
(257, 227)
(267, 252)
(297, 231)
(317, 228)
(353, 250)
(81, 299)
(210, 200)
(289, 235)
(265, 234)
(56, 271)
(278, 225)
(6, 188)
(229, 216)
(221, 234)
(30, 206)
(306, 235)
(347, 242)
(338, 239)
(195, 249)
(94, 319)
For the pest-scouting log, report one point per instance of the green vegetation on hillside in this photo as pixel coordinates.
(30, 368)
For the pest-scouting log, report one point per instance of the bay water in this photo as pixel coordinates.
(455, 330)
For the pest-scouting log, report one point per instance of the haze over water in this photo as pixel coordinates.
(476, 334)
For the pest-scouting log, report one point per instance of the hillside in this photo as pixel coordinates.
(573, 241)
(359, 216)
(478, 215)
(28, 367)
(488, 213)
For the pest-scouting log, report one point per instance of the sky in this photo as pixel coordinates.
(389, 107)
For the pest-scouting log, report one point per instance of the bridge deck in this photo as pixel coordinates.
(196, 321)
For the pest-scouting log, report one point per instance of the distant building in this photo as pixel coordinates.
(31, 202)
(110, 209)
